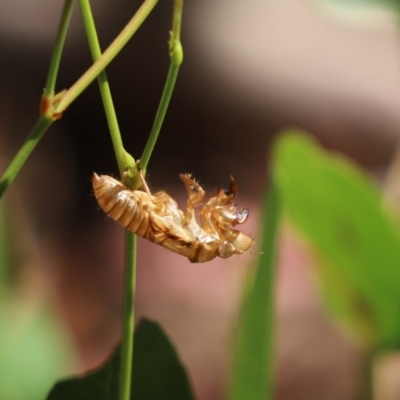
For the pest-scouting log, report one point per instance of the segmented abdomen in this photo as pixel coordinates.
(124, 206)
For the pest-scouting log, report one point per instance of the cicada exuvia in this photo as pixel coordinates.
(156, 217)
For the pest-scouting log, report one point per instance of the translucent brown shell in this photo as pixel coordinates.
(156, 217)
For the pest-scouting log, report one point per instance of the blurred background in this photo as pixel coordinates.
(250, 69)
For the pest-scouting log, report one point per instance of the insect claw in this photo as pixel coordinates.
(233, 187)
(194, 190)
(241, 216)
(195, 195)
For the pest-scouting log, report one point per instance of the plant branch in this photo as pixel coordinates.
(47, 101)
(58, 48)
(88, 77)
(123, 162)
(176, 54)
(128, 318)
(24, 152)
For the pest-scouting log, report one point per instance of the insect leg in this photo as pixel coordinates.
(142, 179)
(195, 194)
(144, 184)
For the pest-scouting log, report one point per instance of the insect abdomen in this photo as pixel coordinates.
(122, 205)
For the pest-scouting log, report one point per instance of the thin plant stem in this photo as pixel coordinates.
(176, 22)
(176, 54)
(52, 107)
(104, 86)
(45, 120)
(366, 388)
(58, 47)
(128, 318)
(91, 74)
(24, 152)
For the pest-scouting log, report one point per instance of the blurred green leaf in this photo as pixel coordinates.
(339, 209)
(365, 14)
(157, 372)
(393, 4)
(34, 350)
(252, 369)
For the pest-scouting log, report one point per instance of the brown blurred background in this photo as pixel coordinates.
(250, 69)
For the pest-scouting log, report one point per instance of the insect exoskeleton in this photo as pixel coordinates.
(156, 217)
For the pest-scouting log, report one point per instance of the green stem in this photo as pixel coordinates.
(366, 391)
(45, 120)
(58, 48)
(176, 23)
(104, 86)
(90, 75)
(24, 152)
(176, 54)
(128, 318)
(252, 372)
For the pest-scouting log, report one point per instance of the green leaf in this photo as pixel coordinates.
(252, 370)
(365, 14)
(359, 4)
(339, 210)
(157, 372)
(34, 349)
